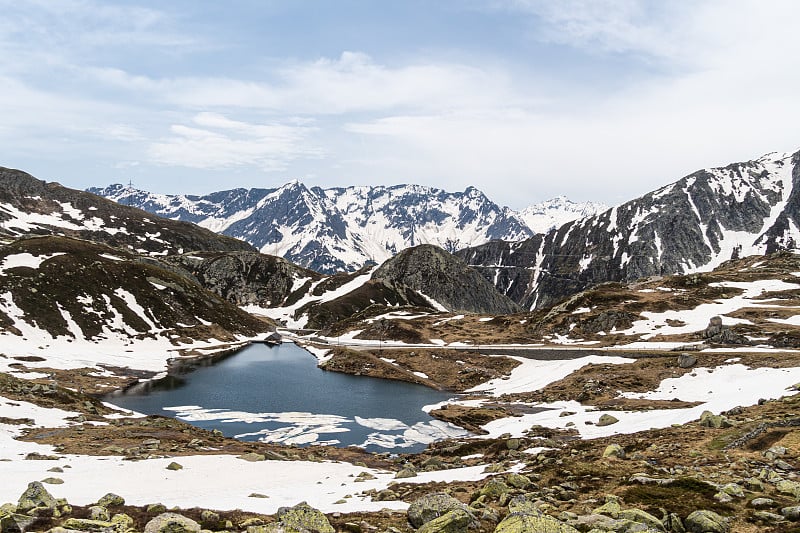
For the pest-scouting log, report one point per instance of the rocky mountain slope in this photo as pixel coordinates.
(330, 230)
(693, 224)
(29, 206)
(73, 300)
(446, 279)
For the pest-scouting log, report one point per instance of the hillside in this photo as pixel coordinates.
(70, 303)
(29, 206)
(694, 224)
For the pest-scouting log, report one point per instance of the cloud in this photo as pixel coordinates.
(217, 142)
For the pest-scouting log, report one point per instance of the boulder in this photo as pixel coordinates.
(532, 523)
(430, 507)
(706, 522)
(494, 489)
(35, 496)
(111, 500)
(174, 466)
(686, 360)
(406, 472)
(762, 503)
(518, 481)
(122, 522)
(303, 517)
(172, 523)
(642, 517)
(792, 513)
(607, 420)
(614, 450)
(455, 521)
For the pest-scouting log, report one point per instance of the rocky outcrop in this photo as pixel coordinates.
(249, 278)
(717, 333)
(697, 222)
(444, 278)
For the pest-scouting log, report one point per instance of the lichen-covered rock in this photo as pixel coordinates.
(430, 507)
(302, 517)
(111, 500)
(532, 523)
(35, 496)
(15, 522)
(171, 523)
(705, 521)
(792, 513)
(614, 450)
(84, 524)
(710, 420)
(607, 420)
(788, 487)
(174, 466)
(406, 472)
(518, 481)
(156, 508)
(610, 508)
(98, 512)
(494, 489)
(455, 521)
(642, 517)
(122, 522)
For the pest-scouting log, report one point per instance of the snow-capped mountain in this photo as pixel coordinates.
(338, 229)
(556, 212)
(694, 224)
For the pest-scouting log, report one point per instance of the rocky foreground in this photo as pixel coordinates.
(736, 471)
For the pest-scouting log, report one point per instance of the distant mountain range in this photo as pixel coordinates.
(341, 229)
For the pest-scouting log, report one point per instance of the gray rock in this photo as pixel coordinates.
(792, 513)
(532, 523)
(762, 503)
(95, 526)
(111, 500)
(686, 360)
(98, 512)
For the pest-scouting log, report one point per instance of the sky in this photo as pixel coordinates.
(598, 100)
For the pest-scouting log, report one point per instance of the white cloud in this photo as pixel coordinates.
(218, 142)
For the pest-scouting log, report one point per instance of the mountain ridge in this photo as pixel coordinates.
(343, 228)
(693, 224)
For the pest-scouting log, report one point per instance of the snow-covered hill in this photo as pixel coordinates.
(336, 229)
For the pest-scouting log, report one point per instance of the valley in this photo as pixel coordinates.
(633, 399)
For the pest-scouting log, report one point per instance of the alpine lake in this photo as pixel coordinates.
(278, 394)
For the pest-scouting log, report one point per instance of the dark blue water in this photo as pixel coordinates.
(277, 394)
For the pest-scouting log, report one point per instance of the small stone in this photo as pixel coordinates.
(53, 481)
(252, 457)
(257, 495)
(174, 466)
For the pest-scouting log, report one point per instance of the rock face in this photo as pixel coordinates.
(444, 278)
(248, 278)
(696, 223)
(29, 206)
(338, 229)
